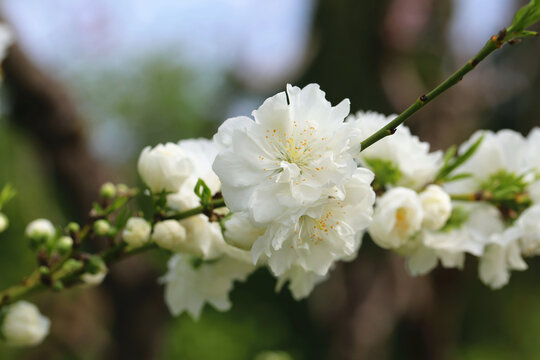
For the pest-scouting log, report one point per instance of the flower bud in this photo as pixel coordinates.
(398, 216)
(122, 189)
(136, 232)
(102, 227)
(94, 279)
(169, 234)
(73, 227)
(24, 325)
(108, 190)
(164, 168)
(64, 244)
(4, 222)
(437, 207)
(40, 230)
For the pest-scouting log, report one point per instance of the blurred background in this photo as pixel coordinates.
(91, 82)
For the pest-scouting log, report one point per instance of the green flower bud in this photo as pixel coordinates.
(95, 265)
(108, 190)
(64, 244)
(72, 265)
(102, 227)
(73, 227)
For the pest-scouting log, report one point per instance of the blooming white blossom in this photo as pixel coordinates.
(240, 232)
(24, 325)
(136, 232)
(329, 230)
(437, 207)
(529, 224)
(296, 147)
(301, 282)
(4, 222)
(504, 151)
(189, 285)
(416, 165)
(398, 216)
(449, 246)
(40, 229)
(164, 167)
(501, 255)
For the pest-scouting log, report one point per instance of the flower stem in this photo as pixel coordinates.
(494, 43)
(33, 283)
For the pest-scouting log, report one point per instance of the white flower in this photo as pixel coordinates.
(164, 167)
(450, 246)
(189, 285)
(301, 282)
(398, 216)
(329, 230)
(170, 235)
(40, 229)
(4, 222)
(501, 255)
(529, 223)
(296, 148)
(24, 325)
(240, 232)
(505, 151)
(437, 207)
(534, 192)
(201, 154)
(6, 39)
(411, 156)
(137, 232)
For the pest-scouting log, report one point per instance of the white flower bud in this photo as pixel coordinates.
(102, 227)
(40, 229)
(437, 207)
(95, 279)
(164, 167)
(136, 232)
(24, 325)
(169, 234)
(4, 222)
(398, 216)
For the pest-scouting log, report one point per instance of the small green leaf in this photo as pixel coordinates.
(452, 165)
(457, 219)
(458, 177)
(525, 17)
(203, 192)
(7, 193)
(449, 155)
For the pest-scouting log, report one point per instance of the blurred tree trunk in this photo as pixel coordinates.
(376, 310)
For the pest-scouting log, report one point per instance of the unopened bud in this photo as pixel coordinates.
(4, 222)
(136, 232)
(122, 189)
(108, 190)
(95, 265)
(102, 227)
(40, 230)
(23, 325)
(64, 244)
(73, 227)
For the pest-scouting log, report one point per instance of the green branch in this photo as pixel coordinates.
(525, 17)
(59, 274)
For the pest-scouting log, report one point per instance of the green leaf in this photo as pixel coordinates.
(525, 17)
(451, 165)
(386, 172)
(449, 155)
(458, 177)
(459, 216)
(203, 192)
(7, 193)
